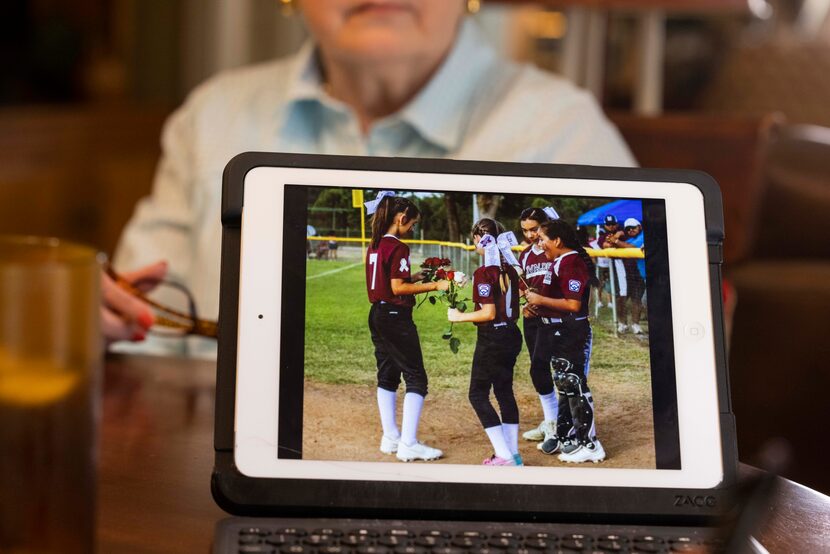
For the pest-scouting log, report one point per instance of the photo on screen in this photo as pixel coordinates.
(331, 411)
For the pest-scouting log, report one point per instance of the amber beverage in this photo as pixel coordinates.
(50, 359)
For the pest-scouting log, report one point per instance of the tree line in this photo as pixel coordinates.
(444, 216)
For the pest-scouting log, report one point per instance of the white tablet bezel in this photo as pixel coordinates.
(258, 348)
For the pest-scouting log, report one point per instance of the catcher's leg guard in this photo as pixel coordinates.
(564, 420)
(580, 401)
(560, 368)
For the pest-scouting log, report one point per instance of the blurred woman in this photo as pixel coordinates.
(405, 78)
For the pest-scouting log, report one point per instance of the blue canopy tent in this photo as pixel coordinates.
(622, 209)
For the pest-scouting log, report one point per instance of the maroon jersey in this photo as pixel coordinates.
(571, 282)
(538, 274)
(390, 260)
(487, 290)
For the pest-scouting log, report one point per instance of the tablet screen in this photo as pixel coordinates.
(330, 410)
(321, 390)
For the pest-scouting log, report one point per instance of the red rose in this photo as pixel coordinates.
(441, 274)
(451, 275)
(446, 261)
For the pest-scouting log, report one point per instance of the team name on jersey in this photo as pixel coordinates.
(541, 269)
(536, 270)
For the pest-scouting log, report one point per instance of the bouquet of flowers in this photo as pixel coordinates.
(437, 269)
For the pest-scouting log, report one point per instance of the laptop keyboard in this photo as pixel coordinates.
(246, 536)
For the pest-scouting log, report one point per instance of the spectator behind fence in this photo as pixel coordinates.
(629, 275)
(333, 245)
(411, 79)
(610, 227)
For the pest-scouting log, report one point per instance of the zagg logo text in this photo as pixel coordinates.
(699, 501)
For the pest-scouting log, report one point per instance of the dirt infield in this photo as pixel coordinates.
(341, 422)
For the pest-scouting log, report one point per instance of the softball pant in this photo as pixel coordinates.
(497, 347)
(397, 348)
(566, 345)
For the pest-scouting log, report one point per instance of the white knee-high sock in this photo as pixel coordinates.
(511, 436)
(387, 407)
(412, 404)
(500, 447)
(550, 406)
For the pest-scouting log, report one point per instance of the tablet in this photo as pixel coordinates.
(303, 401)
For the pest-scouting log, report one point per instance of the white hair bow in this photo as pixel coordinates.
(491, 250)
(372, 205)
(505, 241)
(551, 212)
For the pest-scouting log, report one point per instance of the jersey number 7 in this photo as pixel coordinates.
(373, 261)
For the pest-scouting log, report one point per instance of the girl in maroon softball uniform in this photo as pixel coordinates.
(498, 343)
(564, 342)
(539, 277)
(391, 288)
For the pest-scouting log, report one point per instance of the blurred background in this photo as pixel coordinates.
(737, 88)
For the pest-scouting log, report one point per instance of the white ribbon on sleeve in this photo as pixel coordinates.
(551, 212)
(372, 205)
(491, 250)
(505, 241)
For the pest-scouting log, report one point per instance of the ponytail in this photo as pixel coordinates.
(489, 226)
(385, 213)
(589, 262)
(558, 228)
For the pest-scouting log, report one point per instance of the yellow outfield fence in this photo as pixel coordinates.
(594, 253)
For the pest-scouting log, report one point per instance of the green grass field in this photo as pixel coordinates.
(338, 348)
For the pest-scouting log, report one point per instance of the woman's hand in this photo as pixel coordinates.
(123, 316)
(453, 315)
(443, 284)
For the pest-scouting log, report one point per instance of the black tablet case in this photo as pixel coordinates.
(242, 495)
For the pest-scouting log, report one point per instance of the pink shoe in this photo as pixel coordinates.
(496, 461)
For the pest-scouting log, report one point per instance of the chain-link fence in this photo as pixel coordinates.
(463, 257)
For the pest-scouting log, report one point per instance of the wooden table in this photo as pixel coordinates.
(157, 455)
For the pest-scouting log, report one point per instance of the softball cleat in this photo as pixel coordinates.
(496, 461)
(590, 452)
(540, 433)
(388, 445)
(568, 445)
(551, 445)
(418, 451)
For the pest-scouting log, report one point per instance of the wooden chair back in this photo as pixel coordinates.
(731, 149)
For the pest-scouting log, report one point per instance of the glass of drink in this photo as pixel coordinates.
(50, 358)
